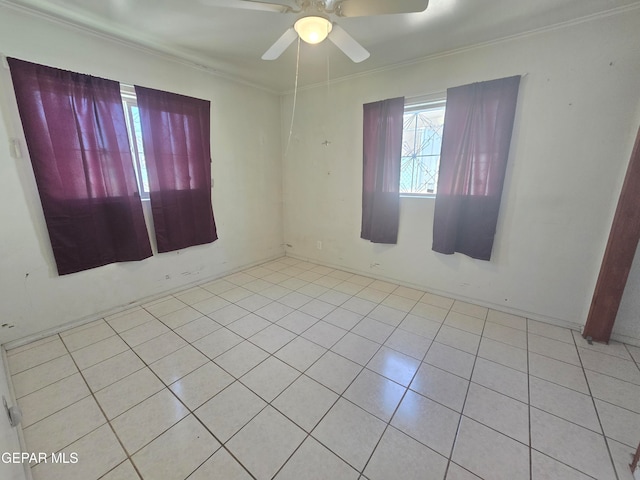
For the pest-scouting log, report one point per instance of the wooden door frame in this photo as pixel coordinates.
(618, 256)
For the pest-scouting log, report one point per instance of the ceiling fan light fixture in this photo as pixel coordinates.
(313, 29)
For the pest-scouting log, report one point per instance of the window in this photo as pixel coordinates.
(132, 117)
(421, 141)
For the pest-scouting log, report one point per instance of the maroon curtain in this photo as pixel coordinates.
(475, 148)
(382, 148)
(77, 139)
(175, 133)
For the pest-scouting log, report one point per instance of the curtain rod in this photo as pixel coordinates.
(434, 95)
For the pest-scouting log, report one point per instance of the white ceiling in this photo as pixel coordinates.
(232, 41)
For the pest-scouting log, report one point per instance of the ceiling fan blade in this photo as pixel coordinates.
(281, 45)
(362, 8)
(347, 44)
(249, 5)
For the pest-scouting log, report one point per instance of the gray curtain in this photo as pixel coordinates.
(382, 149)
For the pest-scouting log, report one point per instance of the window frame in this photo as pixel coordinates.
(422, 103)
(128, 95)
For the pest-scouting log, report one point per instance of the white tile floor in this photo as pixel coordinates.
(292, 370)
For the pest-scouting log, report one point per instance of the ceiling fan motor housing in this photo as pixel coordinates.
(314, 25)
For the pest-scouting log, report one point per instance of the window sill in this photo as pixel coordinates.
(418, 195)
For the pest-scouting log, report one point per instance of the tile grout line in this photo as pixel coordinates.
(25, 347)
(297, 335)
(108, 422)
(131, 348)
(308, 434)
(529, 402)
(147, 365)
(270, 402)
(633, 359)
(42, 388)
(341, 396)
(593, 401)
(387, 423)
(475, 359)
(531, 449)
(191, 412)
(407, 388)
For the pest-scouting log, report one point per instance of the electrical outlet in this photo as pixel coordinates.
(319, 244)
(14, 147)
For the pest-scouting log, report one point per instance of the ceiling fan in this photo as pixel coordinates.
(314, 26)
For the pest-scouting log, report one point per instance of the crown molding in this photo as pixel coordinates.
(469, 48)
(151, 46)
(148, 46)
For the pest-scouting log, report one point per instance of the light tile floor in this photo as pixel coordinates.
(292, 370)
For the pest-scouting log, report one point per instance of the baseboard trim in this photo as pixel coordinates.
(501, 308)
(97, 316)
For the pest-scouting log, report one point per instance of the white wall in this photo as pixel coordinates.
(627, 326)
(575, 126)
(577, 118)
(247, 193)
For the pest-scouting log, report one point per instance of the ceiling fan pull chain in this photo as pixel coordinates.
(295, 97)
(326, 142)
